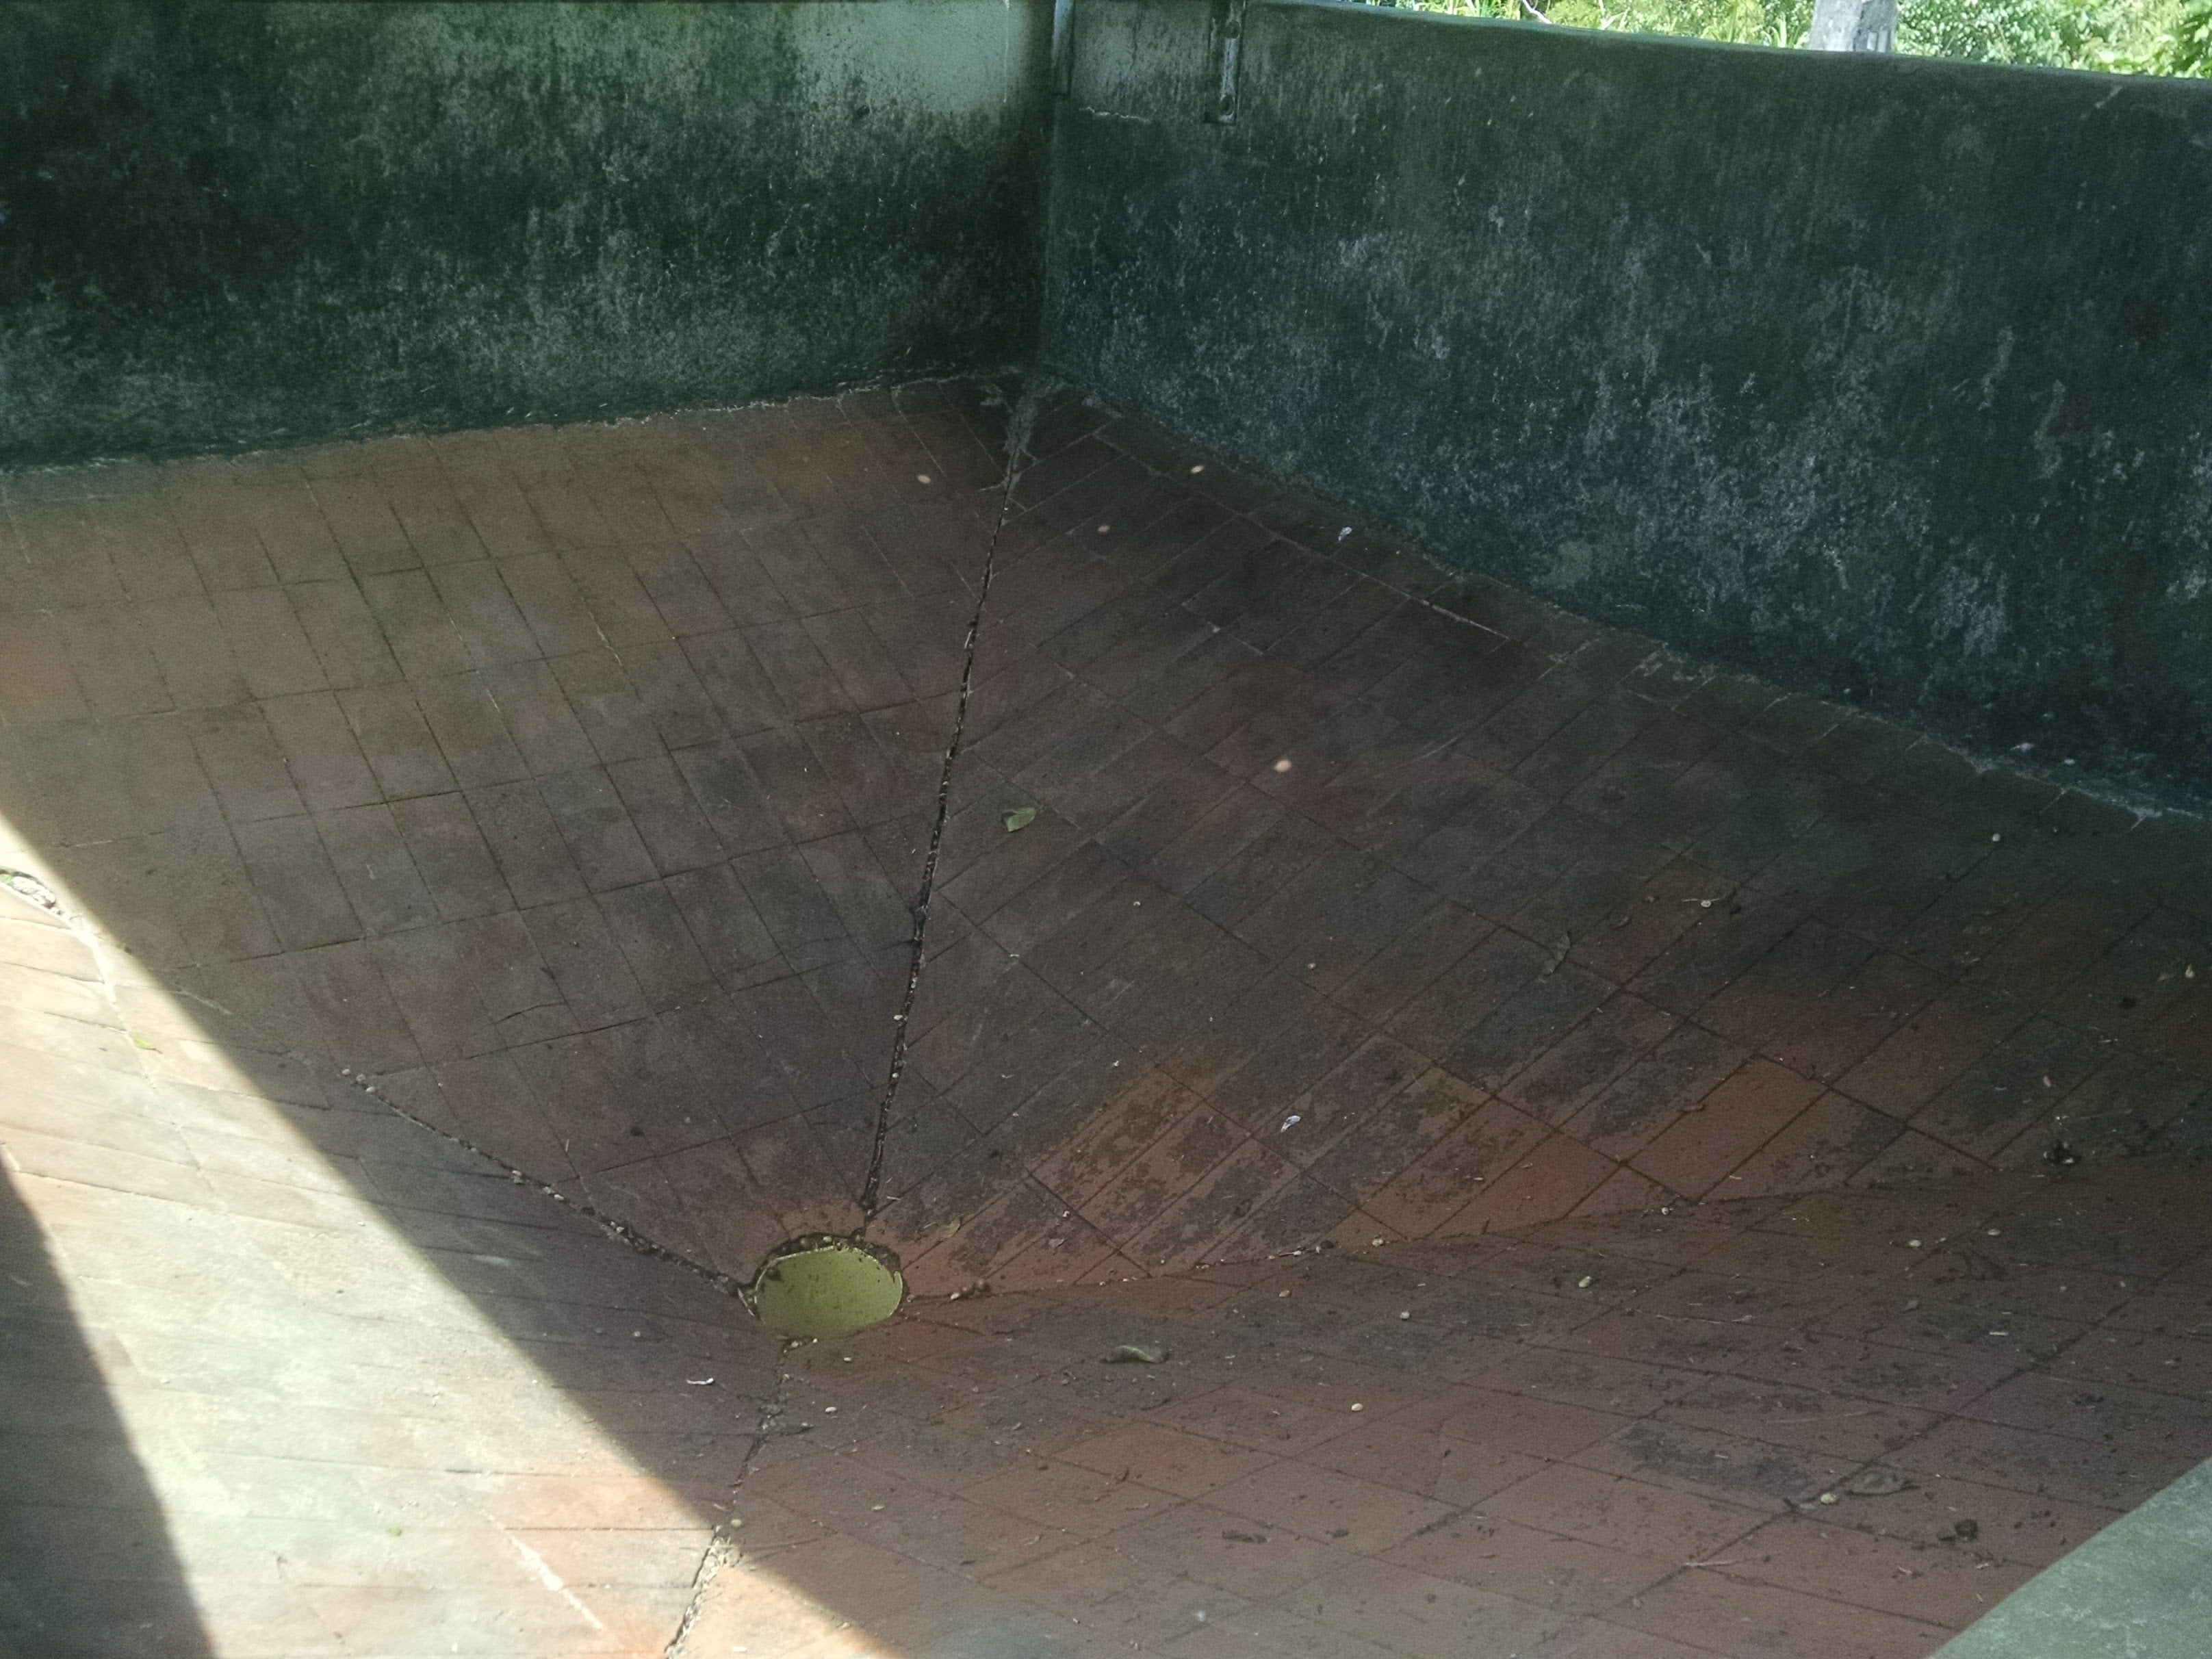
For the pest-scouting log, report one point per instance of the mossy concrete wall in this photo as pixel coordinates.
(230, 225)
(1887, 378)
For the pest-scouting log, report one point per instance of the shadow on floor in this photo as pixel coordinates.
(293, 799)
(384, 1394)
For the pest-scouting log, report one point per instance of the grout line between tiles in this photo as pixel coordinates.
(1018, 431)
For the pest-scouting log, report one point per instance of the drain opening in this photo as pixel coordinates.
(824, 1286)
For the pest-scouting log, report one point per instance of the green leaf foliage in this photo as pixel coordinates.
(2127, 37)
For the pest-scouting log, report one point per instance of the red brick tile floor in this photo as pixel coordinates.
(289, 1375)
(576, 786)
(571, 791)
(1842, 1425)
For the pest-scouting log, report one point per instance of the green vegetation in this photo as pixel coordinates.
(2128, 37)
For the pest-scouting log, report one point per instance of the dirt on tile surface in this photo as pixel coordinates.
(1754, 1105)
(578, 785)
(1841, 1425)
(290, 1375)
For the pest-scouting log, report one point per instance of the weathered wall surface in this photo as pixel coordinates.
(239, 225)
(1889, 380)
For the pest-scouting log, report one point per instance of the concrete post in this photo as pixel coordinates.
(1853, 25)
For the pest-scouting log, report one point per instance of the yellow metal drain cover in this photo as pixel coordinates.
(825, 1286)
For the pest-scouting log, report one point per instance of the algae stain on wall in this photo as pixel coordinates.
(228, 226)
(1759, 352)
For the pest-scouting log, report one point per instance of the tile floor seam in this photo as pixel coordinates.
(609, 1227)
(1022, 417)
(722, 1549)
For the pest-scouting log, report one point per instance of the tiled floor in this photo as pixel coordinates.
(572, 784)
(575, 785)
(1740, 1091)
(283, 1374)
(287, 1375)
(1841, 1426)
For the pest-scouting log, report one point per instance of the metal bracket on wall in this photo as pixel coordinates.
(1063, 46)
(1223, 41)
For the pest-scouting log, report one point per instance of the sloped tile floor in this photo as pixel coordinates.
(580, 786)
(575, 790)
(287, 1375)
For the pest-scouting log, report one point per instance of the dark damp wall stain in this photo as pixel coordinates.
(1889, 380)
(236, 225)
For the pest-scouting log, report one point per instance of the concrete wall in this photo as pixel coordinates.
(223, 225)
(1890, 379)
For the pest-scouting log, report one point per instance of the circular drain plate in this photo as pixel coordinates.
(824, 1286)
